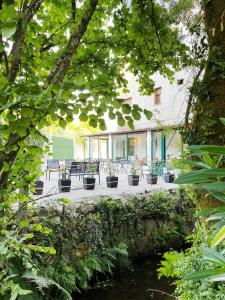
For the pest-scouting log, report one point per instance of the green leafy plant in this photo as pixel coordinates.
(111, 169)
(91, 169)
(65, 174)
(208, 174)
(152, 167)
(135, 168)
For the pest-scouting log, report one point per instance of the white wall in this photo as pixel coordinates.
(172, 107)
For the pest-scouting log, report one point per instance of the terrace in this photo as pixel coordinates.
(78, 194)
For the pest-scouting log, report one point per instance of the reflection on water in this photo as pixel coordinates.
(133, 285)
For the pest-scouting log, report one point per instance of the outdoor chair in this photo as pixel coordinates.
(77, 169)
(92, 169)
(52, 166)
(68, 163)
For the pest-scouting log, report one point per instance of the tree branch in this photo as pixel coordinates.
(16, 52)
(156, 30)
(6, 63)
(48, 42)
(58, 73)
(191, 97)
(73, 10)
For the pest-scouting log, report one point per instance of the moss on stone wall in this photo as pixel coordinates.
(146, 223)
(91, 239)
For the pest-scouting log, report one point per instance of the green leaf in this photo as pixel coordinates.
(219, 196)
(102, 124)
(126, 109)
(196, 163)
(213, 275)
(62, 123)
(9, 30)
(121, 122)
(65, 201)
(112, 116)
(222, 120)
(220, 236)
(215, 186)
(214, 149)
(130, 124)
(116, 103)
(17, 291)
(136, 115)
(148, 114)
(201, 176)
(213, 256)
(83, 117)
(24, 223)
(211, 211)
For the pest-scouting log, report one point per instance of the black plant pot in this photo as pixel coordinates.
(39, 185)
(133, 180)
(112, 181)
(152, 179)
(169, 178)
(64, 185)
(89, 183)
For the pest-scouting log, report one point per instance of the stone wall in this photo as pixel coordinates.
(147, 223)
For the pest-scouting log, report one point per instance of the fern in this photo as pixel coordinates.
(45, 283)
(64, 275)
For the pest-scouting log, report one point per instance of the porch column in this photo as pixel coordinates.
(149, 146)
(126, 147)
(89, 147)
(110, 154)
(163, 146)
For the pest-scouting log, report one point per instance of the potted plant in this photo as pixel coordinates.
(89, 180)
(168, 172)
(64, 183)
(133, 178)
(152, 177)
(39, 186)
(111, 179)
(169, 177)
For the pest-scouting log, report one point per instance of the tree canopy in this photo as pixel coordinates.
(61, 60)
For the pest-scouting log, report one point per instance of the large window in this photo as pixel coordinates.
(173, 144)
(94, 152)
(119, 146)
(137, 148)
(86, 148)
(157, 145)
(103, 147)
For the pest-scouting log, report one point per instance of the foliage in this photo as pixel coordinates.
(57, 65)
(178, 264)
(92, 240)
(152, 166)
(111, 169)
(135, 168)
(208, 174)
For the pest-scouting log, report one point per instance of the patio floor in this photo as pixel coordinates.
(78, 194)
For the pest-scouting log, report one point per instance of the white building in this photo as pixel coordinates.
(154, 140)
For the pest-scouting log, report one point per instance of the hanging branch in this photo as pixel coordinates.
(156, 30)
(28, 13)
(191, 97)
(58, 73)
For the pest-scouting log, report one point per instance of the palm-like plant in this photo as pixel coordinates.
(209, 174)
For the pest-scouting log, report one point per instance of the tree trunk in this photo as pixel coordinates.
(209, 107)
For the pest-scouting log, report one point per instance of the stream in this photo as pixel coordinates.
(133, 285)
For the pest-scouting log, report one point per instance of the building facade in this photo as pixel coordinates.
(154, 140)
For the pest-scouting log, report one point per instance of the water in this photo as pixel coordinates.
(133, 285)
